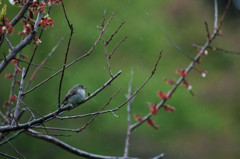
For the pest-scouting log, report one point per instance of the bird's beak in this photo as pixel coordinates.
(84, 87)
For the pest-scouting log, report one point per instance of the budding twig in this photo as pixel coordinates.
(188, 69)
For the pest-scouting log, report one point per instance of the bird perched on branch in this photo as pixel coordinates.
(75, 95)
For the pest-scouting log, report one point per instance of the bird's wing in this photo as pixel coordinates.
(69, 94)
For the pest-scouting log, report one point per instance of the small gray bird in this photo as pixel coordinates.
(75, 95)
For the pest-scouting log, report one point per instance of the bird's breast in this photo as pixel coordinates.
(78, 97)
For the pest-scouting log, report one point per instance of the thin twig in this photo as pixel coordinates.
(14, 148)
(42, 63)
(12, 137)
(127, 142)
(13, 86)
(216, 14)
(223, 50)
(8, 42)
(17, 108)
(7, 155)
(66, 55)
(54, 128)
(115, 33)
(224, 14)
(146, 81)
(110, 55)
(39, 133)
(64, 65)
(88, 114)
(66, 17)
(175, 45)
(159, 156)
(207, 30)
(105, 45)
(217, 49)
(101, 109)
(46, 67)
(106, 55)
(31, 110)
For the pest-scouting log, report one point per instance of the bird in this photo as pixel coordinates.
(75, 95)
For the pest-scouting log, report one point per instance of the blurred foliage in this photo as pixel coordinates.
(204, 126)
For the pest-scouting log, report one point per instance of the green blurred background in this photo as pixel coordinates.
(204, 126)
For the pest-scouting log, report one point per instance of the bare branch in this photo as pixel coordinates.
(69, 148)
(73, 62)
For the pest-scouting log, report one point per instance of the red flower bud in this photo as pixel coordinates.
(138, 117)
(7, 76)
(151, 123)
(13, 99)
(169, 108)
(153, 108)
(5, 104)
(14, 61)
(162, 95)
(182, 72)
